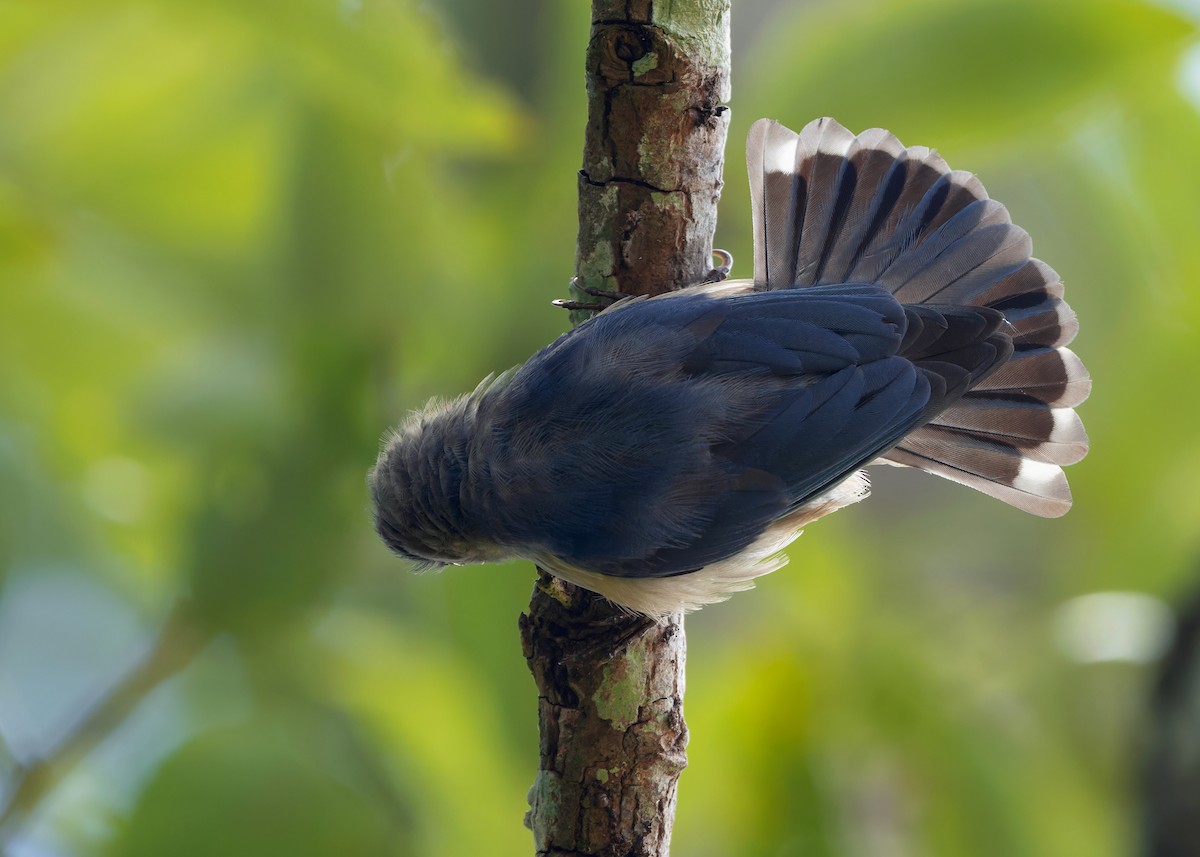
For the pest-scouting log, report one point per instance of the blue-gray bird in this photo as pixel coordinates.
(664, 452)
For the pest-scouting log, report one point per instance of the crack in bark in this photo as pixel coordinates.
(629, 181)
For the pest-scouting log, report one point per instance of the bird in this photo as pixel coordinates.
(663, 453)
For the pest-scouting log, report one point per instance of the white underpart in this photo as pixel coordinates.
(1035, 477)
(661, 596)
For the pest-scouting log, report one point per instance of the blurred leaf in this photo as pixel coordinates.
(414, 698)
(192, 155)
(250, 791)
(958, 71)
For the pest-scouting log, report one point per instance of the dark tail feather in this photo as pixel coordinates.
(832, 207)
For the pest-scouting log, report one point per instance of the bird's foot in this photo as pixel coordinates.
(720, 272)
(592, 306)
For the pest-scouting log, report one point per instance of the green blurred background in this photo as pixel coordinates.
(240, 239)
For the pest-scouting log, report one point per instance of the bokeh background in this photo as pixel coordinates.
(238, 240)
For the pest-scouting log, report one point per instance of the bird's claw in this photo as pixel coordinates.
(581, 305)
(716, 275)
(590, 306)
(720, 272)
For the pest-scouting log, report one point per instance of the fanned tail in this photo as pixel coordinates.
(832, 207)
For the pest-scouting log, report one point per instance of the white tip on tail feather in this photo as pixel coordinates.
(833, 140)
(779, 156)
(1036, 477)
(1068, 427)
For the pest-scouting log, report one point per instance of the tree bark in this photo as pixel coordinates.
(610, 685)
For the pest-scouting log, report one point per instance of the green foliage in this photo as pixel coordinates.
(248, 790)
(238, 240)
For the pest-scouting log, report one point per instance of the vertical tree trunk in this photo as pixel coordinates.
(610, 686)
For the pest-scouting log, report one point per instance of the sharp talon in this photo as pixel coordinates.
(582, 305)
(591, 306)
(719, 273)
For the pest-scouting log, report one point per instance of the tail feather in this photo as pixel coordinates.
(953, 272)
(869, 162)
(832, 207)
(1005, 474)
(823, 213)
(1031, 300)
(916, 186)
(1049, 435)
(1054, 377)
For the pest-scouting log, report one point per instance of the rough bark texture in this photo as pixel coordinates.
(610, 711)
(657, 77)
(610, 686)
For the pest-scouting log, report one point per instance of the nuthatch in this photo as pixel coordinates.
(664, 452)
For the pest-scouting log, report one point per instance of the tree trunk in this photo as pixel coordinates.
(610, 685)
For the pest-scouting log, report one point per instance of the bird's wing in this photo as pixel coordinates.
(749, 407)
